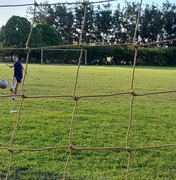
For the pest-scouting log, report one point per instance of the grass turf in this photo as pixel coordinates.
(99, 122)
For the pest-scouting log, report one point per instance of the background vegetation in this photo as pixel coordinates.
(60, 25)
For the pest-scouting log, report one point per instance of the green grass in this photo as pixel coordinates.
(99, 122)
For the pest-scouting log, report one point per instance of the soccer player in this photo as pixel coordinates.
(18, 73)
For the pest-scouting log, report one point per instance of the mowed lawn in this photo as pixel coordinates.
(98, 122)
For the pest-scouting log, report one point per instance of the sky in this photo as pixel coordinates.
(7, 12)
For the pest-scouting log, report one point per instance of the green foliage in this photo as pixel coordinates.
(152, 24)
(50, 37)
(36, 38)
(157, 56)
(169, 20)
(99, 122)
(111, 56)
(124, 56)
(15, 32)
(103, 21)
(104, 24)
(64, 24)
(60, 24)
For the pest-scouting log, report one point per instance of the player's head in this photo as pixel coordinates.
(15, 58)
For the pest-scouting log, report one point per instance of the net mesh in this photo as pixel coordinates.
(71, 147)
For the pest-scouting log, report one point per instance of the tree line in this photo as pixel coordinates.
(105, 24)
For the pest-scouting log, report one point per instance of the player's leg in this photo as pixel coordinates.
(18, 81)
(16, 87)
(13, 84)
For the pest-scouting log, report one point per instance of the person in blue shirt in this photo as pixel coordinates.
(18, 74)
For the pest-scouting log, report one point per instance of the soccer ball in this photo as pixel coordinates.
(3, 84)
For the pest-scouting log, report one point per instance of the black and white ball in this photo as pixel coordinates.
(3, 84)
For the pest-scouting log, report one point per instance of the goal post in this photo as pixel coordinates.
(71, 50)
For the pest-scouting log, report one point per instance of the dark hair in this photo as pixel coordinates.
(15, 55)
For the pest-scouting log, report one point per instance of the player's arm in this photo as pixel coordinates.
(10, 66)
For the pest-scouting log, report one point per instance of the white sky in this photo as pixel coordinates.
(6, 13)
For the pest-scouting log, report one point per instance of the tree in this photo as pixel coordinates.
(104, 23)
(128, 18)
(36, 38)
(151, 24)
(89, 31)
(15, 32)
(117, 31)
(169, 20)
(49, 35)
(44, 14)
(64, 23)
(58, 17)
(89, 35)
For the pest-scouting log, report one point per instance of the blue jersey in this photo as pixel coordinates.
(18, 70)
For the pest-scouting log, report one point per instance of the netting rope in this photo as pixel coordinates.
(75, 97)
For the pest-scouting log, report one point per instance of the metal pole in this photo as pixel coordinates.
(41, 60)
(85, 57)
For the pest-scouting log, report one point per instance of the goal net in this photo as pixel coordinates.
(60, 132)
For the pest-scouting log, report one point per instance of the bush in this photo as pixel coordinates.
(158, 56)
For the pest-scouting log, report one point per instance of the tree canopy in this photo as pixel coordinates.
(104, 24)
(107, 24)
(16, 31)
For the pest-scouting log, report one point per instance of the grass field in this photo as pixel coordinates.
(99, 122)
